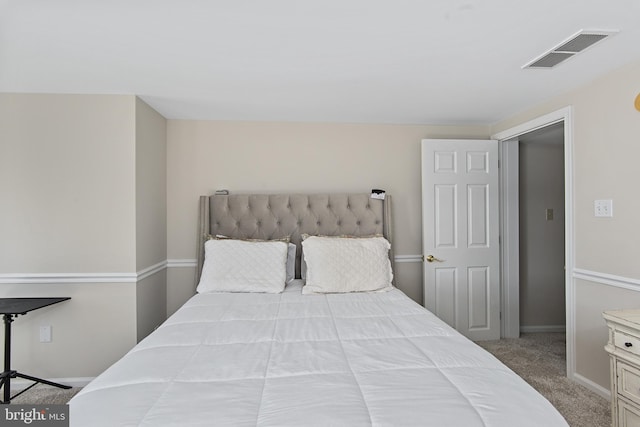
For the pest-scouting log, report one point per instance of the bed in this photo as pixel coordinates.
(344, 355)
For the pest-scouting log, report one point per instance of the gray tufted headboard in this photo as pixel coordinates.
(273, 216)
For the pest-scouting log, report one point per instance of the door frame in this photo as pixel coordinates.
(509, 152)
(510, 238)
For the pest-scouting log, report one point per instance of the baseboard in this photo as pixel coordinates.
(542, 328)
(596, 388)
(20, 384)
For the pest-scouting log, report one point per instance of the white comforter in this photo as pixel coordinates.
(298, 360)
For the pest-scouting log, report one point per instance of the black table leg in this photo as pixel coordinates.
(5, 377)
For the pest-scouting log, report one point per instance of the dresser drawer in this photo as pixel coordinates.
(627, 342)
(628, 415)
(628, 381)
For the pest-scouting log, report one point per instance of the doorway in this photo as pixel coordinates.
(541, 229)
(510, 313)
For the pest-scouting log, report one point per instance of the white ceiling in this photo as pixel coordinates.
(371, 61)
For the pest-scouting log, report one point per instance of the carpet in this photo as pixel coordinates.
(540, 359)
(45, 395)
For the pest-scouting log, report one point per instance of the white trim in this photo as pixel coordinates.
(510, 238)
(535, 124)
(150, 271)
(569, 233)
(23, 278)
(184, 263)
(542, 328)
(21, 384)
(607, 279)
(178, 263)
(69, 278)
(408, 258)
(564, 115)
(20, 278)
(596, 388)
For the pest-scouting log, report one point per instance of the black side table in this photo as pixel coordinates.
(11, 308)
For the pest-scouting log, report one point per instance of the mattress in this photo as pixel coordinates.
(359, 359)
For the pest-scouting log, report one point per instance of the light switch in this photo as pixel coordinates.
(603, 208)
(549, 213)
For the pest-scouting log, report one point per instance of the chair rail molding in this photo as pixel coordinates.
(19, 278)
(607, 279)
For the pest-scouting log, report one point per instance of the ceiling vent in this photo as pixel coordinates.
(577, 43)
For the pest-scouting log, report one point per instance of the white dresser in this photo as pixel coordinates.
(624, 349)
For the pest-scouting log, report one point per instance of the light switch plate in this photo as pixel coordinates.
(603, 208)
(45, 333)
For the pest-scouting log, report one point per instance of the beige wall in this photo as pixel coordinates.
(605, 136)
(151, 216)
(180, 287)
(297, 157)
(66, 165)
(89, 332)
(83, 191)
(68, 207)
(593, 299)
(542, 278)
(151, 186)
(606, 129)
(151, 303)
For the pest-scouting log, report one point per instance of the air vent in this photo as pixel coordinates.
(575, 44)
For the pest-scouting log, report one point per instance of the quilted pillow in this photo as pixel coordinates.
(243, 266)
(291, 252)
(336, 264)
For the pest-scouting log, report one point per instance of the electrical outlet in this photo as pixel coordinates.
(45, 333)
(603, 208)
(549, 214)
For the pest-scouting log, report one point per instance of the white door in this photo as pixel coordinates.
(460, 234)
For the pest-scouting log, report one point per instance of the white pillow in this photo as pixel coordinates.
(336, 264)
(291, 253)
(243, 266)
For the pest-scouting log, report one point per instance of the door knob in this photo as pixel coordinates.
(431, 258)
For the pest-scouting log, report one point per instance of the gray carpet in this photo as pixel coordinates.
(45, 395)
(538, 358)
(541, 360)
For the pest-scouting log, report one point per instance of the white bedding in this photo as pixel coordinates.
(289, 359)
